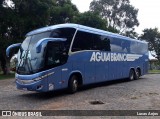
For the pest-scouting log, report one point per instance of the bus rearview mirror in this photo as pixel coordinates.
(12, 47)
(44, 41)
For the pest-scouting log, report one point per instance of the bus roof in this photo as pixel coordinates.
(71, 25)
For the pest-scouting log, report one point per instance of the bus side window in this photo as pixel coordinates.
(90, 41)
(116, 45)
(101, 43)
(82, 41)
(66, 33)
(96, 42)
(105, 44)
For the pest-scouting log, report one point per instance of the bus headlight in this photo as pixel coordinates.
(25, 81)
(37, 79)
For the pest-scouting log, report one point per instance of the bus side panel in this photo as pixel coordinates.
(117, 70)
(81, 62)
(66, 70)
(145, 65)
(145, 68)
(101, 71)
(89, 72)
(126, 69)
(55, 78)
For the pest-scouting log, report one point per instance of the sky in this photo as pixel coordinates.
(148, 15)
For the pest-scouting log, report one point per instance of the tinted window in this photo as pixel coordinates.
(101, 42)
(105, 43)
(137, 47)
(55, 54)
(83, 41)
(120, 45)
(67, 33)
(97, 41)
(90, 41)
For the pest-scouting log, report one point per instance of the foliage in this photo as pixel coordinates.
(63, 12)
(22, 16)
(91, 19)
(153, 37)
(131, 34)
(120, 14)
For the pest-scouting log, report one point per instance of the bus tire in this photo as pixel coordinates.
(131, 75)
(138, 73)
(73, 84)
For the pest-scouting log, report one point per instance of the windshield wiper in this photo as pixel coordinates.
(29, 66)
(21, 51)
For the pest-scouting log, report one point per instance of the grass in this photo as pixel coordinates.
(9, 76)
(154, 71)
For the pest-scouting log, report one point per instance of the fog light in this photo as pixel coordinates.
(39, 87)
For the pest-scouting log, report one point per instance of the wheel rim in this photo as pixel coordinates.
(137, 73)
(75, 84)
(132, 75)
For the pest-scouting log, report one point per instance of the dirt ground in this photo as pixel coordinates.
(142, 94)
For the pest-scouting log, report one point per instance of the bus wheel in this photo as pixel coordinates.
(73, 84)
(131, 75)
(138, 73)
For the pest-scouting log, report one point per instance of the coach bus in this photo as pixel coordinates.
(72, 55)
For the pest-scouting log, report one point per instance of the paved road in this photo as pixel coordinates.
(142, 94)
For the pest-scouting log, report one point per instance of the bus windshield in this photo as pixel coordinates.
(29, 61)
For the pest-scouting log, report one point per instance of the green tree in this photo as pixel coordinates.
(18, 18)
(22, 16)
(63, 12)
(152, 36)
(131, 34)
(5, 22)
(120, 14)
(91, 19)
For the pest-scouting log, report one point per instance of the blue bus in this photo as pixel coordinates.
(72, 55)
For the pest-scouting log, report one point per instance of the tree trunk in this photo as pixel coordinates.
(4, 64)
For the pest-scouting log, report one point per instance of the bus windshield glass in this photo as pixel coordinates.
(29, 61)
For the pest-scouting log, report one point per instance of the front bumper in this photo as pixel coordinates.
(29, 85)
